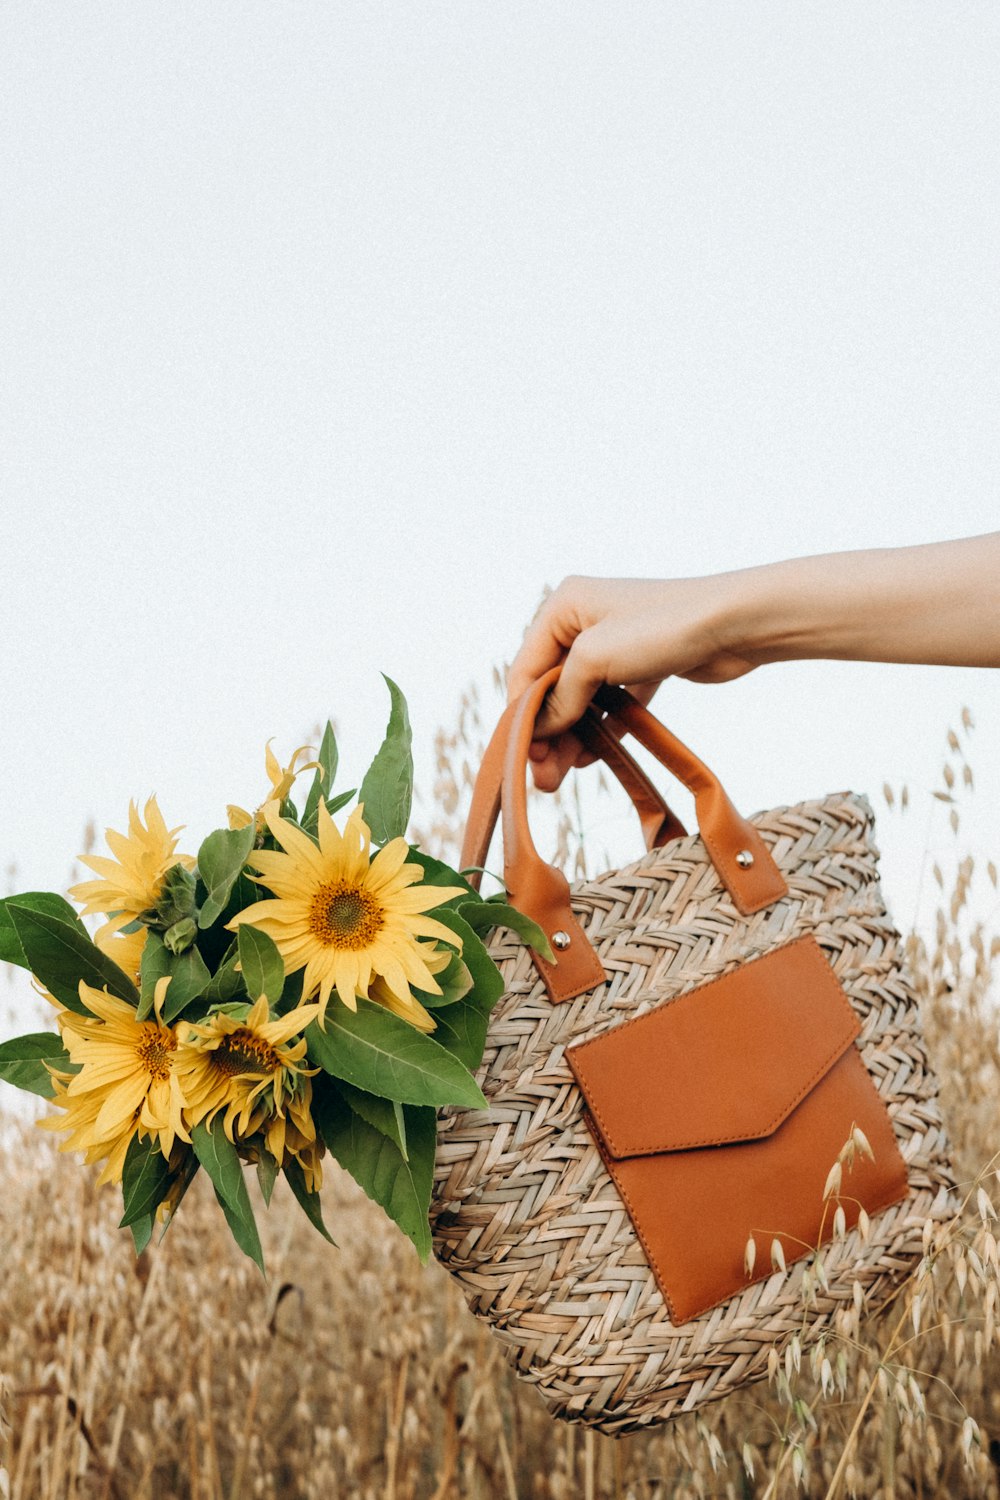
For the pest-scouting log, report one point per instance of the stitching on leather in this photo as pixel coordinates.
(656, 1267)
(828, 979)
(623, 1194)
(763, 1275)
(722, 1140)
(721, 979)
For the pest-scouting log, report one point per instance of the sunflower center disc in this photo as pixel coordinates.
(242, 1052)
(154, 1051)
(345, 916)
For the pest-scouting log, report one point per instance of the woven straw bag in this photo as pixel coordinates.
(597, 1214)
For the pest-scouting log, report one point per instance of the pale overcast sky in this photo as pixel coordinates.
(331, 333)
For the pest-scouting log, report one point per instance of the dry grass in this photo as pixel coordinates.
(355, 1372)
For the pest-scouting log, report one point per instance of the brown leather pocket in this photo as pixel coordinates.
(720, 1114)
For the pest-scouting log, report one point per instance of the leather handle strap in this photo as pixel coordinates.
(658, 822)
(741, 858)
(657, 819)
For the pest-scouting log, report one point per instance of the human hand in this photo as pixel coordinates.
(634, 631)
(931, 603)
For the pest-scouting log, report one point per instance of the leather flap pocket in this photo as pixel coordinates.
(719, 1115)
(728, 1061)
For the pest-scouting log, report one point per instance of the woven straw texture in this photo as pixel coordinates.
(524, 1212)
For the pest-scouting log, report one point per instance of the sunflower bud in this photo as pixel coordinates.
(175, 900)
(181, 935)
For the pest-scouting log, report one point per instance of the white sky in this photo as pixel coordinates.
(331, 333)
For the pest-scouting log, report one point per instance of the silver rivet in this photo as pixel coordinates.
(744, 859)
(560, 940)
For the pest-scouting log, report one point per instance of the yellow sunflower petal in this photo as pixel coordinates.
(296, 844)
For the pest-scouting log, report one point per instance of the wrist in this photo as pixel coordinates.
(766, 613)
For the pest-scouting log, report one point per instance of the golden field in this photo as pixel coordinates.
(355, 1372)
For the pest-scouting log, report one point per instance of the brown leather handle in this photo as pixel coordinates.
(658, 822)
(742, 860)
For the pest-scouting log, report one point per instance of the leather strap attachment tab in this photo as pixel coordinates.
(535, 887)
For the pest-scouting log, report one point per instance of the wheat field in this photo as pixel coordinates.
(356, 1372)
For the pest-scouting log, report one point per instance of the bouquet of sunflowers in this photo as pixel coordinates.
(296, 988)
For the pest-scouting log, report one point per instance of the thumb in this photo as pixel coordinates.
(581, 676)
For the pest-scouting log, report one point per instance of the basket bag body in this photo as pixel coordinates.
(721, 1015)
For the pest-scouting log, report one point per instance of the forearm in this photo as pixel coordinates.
(938, 603)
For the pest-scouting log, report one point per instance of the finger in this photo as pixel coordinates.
(540, 650)
(562, 755)
(644, 691)
(549, 636)
(582, 675)
(539, 749)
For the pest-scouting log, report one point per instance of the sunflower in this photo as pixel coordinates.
(248, 1066)
(282, 779)
(344, 915)
(130, 883)
(126, 1083)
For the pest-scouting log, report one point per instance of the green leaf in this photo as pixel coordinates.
(399, 1110)
(482, 916)
(401, 1187)
(220, 860)
(291, 995)
(387, 789)
(227, 981)
(455, 982)
(267, 1175)
(322, 782)
(384, 1055)
(153, 966)
(217, 1155)
(189, 977)
(244, 1229)
(385, 1115)
(461, 1029)
(181, 935)
(310, 1202)
(60, 954)
(11, 951)
(142, 1233)
(487, 979)
(260, 963)
(22, 1061)
(145, 1180)
(190, 1167)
